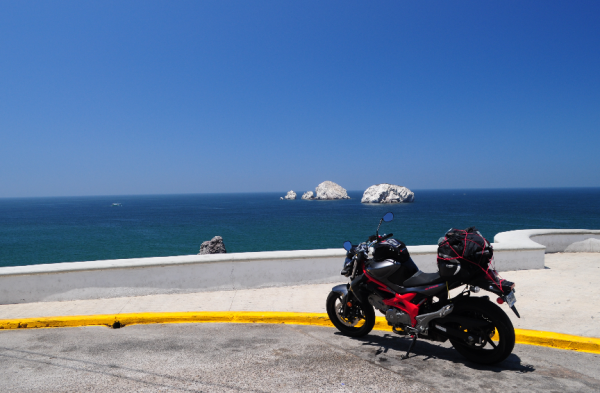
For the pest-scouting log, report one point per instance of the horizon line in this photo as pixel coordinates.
(284, 192)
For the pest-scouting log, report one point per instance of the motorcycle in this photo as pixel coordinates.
(417, 304)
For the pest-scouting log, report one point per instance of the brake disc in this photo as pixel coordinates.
(338, 312)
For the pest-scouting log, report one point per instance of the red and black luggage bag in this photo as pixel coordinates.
(464, 252)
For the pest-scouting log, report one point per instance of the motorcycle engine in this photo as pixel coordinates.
(377, 302)
(397, 317)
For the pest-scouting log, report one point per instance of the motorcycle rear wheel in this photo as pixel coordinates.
(359, 325)
(499, 337)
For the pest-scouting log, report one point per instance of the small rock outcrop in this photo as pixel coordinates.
(308, 195)
(387, 193)
(213, 246)
(329, 190)
(588, 245)
(290, 195)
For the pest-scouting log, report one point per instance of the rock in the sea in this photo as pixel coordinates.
(213, 246)
(588, 245)
(289, 195)
(387, 193)
(307, 195)
(330, 190)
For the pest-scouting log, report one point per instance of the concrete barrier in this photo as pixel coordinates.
(555, 240)
(179, 274)
(195, 273)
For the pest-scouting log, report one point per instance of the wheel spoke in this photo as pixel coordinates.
(493, 344)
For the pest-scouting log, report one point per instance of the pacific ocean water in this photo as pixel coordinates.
(67, 229)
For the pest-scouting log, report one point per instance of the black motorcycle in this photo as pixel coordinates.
(383, 276)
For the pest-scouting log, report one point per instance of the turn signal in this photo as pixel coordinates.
(500, 300)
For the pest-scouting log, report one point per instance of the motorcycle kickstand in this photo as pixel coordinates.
(410, 348)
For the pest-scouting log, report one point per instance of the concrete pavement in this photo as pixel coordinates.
(563, 298)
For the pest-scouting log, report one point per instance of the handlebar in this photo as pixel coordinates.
(373, 238)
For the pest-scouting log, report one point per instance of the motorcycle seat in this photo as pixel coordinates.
(420, 278)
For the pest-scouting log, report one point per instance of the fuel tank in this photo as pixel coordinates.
(392, 271)
(382, 269)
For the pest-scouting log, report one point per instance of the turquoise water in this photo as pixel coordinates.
(51, 230)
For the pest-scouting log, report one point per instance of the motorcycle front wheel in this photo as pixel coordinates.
(359, 319)
(497, 337)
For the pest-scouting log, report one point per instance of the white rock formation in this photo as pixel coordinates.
(330, 190)
(588, 245)
(289, 195)
(387, 193)
(307, 195)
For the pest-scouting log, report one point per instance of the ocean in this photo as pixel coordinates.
(66, 229)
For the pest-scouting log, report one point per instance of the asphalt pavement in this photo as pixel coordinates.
(269, 358)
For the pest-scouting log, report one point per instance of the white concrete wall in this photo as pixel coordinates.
(144, 276)
(558, 242)
(554, 240)
(194, 273)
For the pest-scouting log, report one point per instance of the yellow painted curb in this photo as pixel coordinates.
(169, 317)
(557, 340)
(530, 337)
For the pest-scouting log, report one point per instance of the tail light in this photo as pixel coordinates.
(500, 300)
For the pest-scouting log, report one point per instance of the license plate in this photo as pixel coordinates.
(510, 299)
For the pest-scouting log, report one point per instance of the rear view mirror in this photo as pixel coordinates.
(388, 217)
(347, 245)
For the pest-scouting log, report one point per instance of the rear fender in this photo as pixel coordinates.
(463, 321)
(491, 286)
(465, 297)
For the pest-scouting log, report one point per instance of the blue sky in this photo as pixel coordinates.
(148, 97)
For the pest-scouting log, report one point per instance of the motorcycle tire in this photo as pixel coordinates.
(346, 326)
(503, 332)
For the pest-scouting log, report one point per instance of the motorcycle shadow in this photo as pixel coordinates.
(393, 346)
